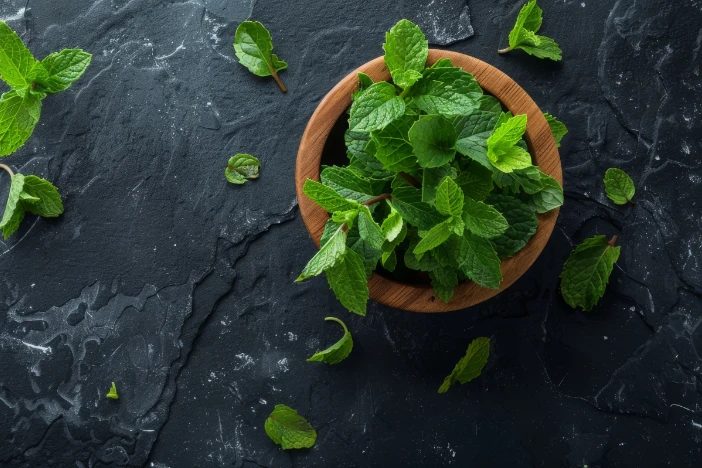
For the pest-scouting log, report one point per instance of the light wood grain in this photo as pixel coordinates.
(538, 137)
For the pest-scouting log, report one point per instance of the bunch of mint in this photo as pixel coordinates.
(439, 181)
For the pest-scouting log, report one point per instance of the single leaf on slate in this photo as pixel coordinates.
(392, 146)
(527, 179)
(338, 351)
(376, 108)
(449, 198)
(62, 70)
(406, 51)
(242, 167)
(16, 61)
(408, 202)
(483, 220)
(326, 197)
(548, 198)
(619, 186)
(478, 260)
(433, 140)
(502, 152)
(446, 91)
(432, 177)
(523, 35)
(558, 129)
(443, 281)
(14, 209)
(253, 47)
(469, 366)
(522, 224)
(475, 181)
(112, 393)
(288, 429)
(586, 272)
(347, 279)
(47, 203)
(18, 117)
(348, 184)
(392, 224)
(329, 254)
(434, 237)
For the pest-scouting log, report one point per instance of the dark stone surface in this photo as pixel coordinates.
(162, 277)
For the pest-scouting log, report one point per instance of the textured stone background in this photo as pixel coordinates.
(162, 277)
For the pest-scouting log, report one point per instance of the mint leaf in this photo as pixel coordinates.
(478, 124)
(327, 256)
(18, 116)
(558, 129)
(478, 260)
(242, 167)
(369, 230)
(476, 181)
(434, 237)
(433, 140)
(112, 394)
(367, 250)
(432, 177)
(523, 35)
(392, 225)
(392, 146)
(348, 184)
(469, 366)
(288, 429)
(619, 186)
(449, 198)
(522, 224)
(490, 104)
(443, 281)
(46, 201)
(326, 197)
(336, 352)
(364, 82)
(442, 62)
(586, 272)
(483, 220)
(347, 278)
(408, 202)
(501, 149)
(62, 69)
(14, 209)
(446, 91)
(549, 197)
(16, 61)
(253, 46)
(376, 108)
(527, 179)
(406, 51)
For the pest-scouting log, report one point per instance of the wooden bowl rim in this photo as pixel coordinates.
(421, 298)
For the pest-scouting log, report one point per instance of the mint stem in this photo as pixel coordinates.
(404, 92)
(377, 199)
(504, 51)
(613, 241)
(279, 82)
(412, 181)
(631, 202)
(7, 169)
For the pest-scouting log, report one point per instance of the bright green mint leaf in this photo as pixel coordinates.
(327, 198)
(16, 61)
(348, 184)
(483, 220)
(242, 167)
(376, 108)
(478, 260)
(501, 149)
(14, 209)
(112, 393)
(338, 351)
(490, 104)
(523, 35)
(288, 429)
(406, 51)
(432, 177)
(345, 217)
(529, 19)
(62, 69)
(475, 181)
(328, 255)
(586, 272)
(47, 200)
(543, 47)
(522, 224)
(434, 237)
(449, 198)
(443, 281)
(392, 146)
(18, 117)
(392, 225)
(619, 186)
(347, 279)
(548, 198)
(369, 230)
(558, 129)
(253, 47)
(433, 140)
(446, 91)
(408, 202)
(471, 365)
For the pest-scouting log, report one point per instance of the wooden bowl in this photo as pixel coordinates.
(421, 298)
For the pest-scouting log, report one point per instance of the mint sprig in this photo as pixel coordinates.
(523, 36)
(338, 351)
(253, 46)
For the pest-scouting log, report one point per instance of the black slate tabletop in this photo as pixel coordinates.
(178, 286)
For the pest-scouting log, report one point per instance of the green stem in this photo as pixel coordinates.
(504, 51)
(404, 92)
(7, 169)
(334, 319)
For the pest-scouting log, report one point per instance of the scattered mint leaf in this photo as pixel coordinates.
(288, 429)
(619, 186)
(327, 256)
(29, 193)
(338, 351)
(62, 70)
(522, 224)
(501, 149)
(347, 278)
(483, 220)
(443, 281)
(376, 108)
(18, 117)
(113, 392)
(14, 210)
(558, 129)
(586, 272)
(433, 140)
(253, 46)
(523, 35)
(469, 366)
(478, 260)
(327, 198)
(406, 51)
(449, 198)
(242, 167)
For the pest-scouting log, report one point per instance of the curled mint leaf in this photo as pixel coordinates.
(253, 47)
(288, 429)
(338, 351)
(619, 186)
(523, 36)
(469, 366)
(406, 51)
(242, 167)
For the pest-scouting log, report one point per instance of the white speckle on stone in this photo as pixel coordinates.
(244, 361)
(283, 365)
(291, 336)
(632, 308)
(694, 178)
(582, 4)
(17, 16)
(262, 401)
